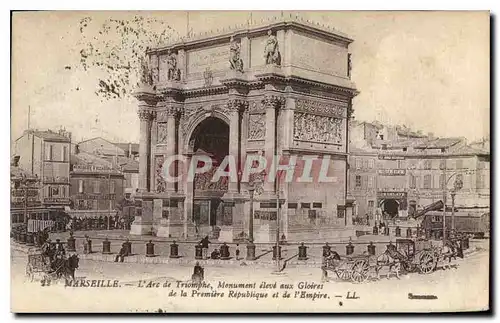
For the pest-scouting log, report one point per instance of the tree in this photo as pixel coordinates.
(115, 50)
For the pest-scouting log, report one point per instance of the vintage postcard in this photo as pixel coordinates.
(217, 161)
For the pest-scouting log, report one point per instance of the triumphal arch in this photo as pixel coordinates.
(281, 88)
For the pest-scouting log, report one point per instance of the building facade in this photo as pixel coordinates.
(96, 186)
(413, 172)
(46, 155)
(278, 89)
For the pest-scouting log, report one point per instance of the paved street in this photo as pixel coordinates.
(449, 285)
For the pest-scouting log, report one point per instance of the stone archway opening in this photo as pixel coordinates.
(390, 208)
(209, 138)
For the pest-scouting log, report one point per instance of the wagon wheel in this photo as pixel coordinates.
(360, 271)
(408, 265)
(344, 274)
(427, 263)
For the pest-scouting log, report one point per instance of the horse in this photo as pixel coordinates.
(388, 259)
(65, 268)
(451, 250)
(330, 261)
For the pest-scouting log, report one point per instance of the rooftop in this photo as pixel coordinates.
(257, 26)
(439, 143)
(50, 135)
(125, 146)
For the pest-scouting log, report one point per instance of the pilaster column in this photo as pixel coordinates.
(145, 117)
(235, 106)
(272, 104)
(171, 141)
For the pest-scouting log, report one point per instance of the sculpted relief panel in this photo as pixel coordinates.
(319, 55)
(162, 133)
(256, 126)
(216, 58)
(321, 108)
(316, 128)
(160, 183)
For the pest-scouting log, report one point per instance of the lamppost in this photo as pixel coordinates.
(252, 185)
(457, 186)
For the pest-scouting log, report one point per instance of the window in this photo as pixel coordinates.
(427, 181)
(80, 186)
(358, 163)
(358, 180)
(97, 188)
(370, 182)
(365, 164)
(441, 181)
(292, 205)
(112, 187)
(479, 181)
(405, 149)
(401, 164)
(371, 204)
(371, 163)
(317, 205)
(384, 146)
(64, 154)
(459, 164)
(340, 211)
(413, 181)
(305, 205)
(48, 154)
(442, 164)
(427, 164)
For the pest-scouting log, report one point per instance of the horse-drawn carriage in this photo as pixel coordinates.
(50, 266)
(412, 255)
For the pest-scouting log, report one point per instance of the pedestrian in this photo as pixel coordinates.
(237, 251)
(204, 243)
(123, 252)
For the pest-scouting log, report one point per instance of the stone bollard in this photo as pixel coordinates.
(87, 246)
(129, 246)
(30, 241)
(274, 252)
(106, 246)
(371, 249)
(198, 252)
(150, 249)
(174, 250)
(398, 231)
(349, 249)
(408, 233)
(250, 251)
(375, 230)
(224, 251)
(71, 245)
(302, 252)
(326, 249)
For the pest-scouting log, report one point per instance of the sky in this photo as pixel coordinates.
(427, 70)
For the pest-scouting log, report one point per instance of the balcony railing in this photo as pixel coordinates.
(56, 179)
(56, 200)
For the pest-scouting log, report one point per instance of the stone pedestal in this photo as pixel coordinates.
(143, 224)
(265, 234)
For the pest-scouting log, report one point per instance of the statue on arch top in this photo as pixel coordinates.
(234, 56)
(272, 54)
(173, 72)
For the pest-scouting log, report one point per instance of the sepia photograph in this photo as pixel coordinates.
(250, 161)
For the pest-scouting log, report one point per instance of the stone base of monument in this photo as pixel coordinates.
(141, 228)
(264, 234)
(229, 233)
(170, 230)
